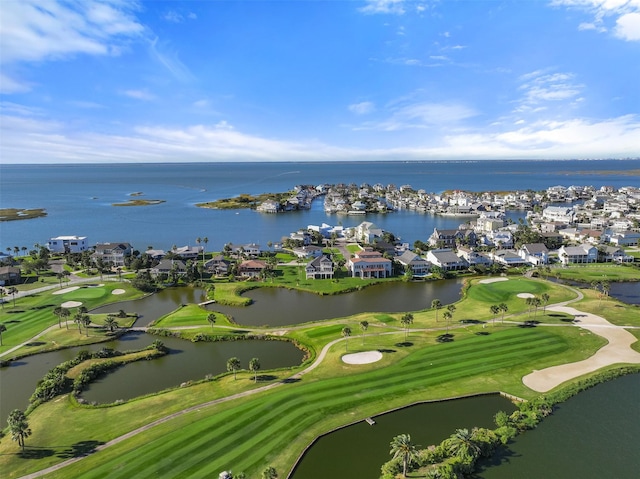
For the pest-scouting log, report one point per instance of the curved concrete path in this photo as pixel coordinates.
(618, 350)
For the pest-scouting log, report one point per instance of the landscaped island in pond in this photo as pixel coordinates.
(12, 214)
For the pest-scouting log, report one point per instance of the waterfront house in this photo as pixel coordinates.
(444, 238)
(10, 275)
(507, 257)
(252, 268)
(188, 252)
(628, 238)
(218, 265)
(369, 264)
(534, 253)
(473, 257)
(155, 254)
(320, 268)
(585, 253)
(310, 251)
(112, 253)
(446, 259)
(417, 264)
(68, 244)
(367, 232)
(564, 214)
(169, 267)
(608, 254)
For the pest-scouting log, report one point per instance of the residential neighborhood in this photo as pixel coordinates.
(558, 227)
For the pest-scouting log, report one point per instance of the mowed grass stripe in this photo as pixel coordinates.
(233, 438)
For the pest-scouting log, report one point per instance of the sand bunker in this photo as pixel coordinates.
(492, 280)
(525, 295)
(66, 290)
(71, 304)
(362, 358)
(118, 291)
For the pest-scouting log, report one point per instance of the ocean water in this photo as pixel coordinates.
(78, 198)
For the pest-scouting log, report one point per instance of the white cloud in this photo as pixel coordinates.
(541, 87)
(362, 108)
(139, 94)
(395, 7)
(420, 115)
(626, 14)
(10, 85)
(29, 138)
(170, 60)
(628, 27)
(33, 30)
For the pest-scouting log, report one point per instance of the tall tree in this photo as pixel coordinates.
(254, 366)
(545, 301)
(18, 427)
(503, 308)
(402, 447)
(212, 319)
(60, 312)
(495, 310)
(406, 320)
(233, 364)
(436, 304)
(447, 317)
(346, 332)
(13, 291)
(364, 325)
(3, 328)
(3, 293)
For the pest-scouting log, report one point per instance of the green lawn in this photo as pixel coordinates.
(599, 272)
(274, 427)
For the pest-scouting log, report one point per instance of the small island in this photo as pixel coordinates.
(244, 201)
(139, 203)
(12, 214)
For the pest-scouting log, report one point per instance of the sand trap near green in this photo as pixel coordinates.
(71, 304)
(525, 295)
(118, 291)
(366, 357)
(492, 280)
(66, 290)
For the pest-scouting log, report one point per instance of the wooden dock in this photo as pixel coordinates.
(370, 421)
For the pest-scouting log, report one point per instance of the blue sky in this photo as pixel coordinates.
(124, 81)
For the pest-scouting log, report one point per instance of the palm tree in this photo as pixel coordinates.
(3, 328)
(233, 364)
(270, 473)
(401, 446)
(110, 323)
(212, 320)
(12, 291)
(86, 321)
(205, 240)
(406, 320)
(462, 444)
(495, 310)
(18, 426)
(59, 313)
(254, 365)
(535, 302)
(436, 304)
(504, 308)
(364, 325)
(447, 317)
(545, 300)
(3, 293)
(346, 332)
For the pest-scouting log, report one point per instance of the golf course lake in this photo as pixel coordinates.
(359, 450)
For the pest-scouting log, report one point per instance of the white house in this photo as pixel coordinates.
(369, 264)
(534, 253)
(68, 244)
(585, 253)
(418, 265)
(112, 253)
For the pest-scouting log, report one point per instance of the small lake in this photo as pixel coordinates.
(283, 307)
(187, 362)
(359, 450)
(592, 435)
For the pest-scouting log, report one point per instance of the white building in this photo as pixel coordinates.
(68, 244)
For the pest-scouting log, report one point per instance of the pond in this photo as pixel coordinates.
(282, 307)
(359, 450)
(188, 361)
(592, 435)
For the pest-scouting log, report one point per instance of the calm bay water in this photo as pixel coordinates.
(78, 198)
